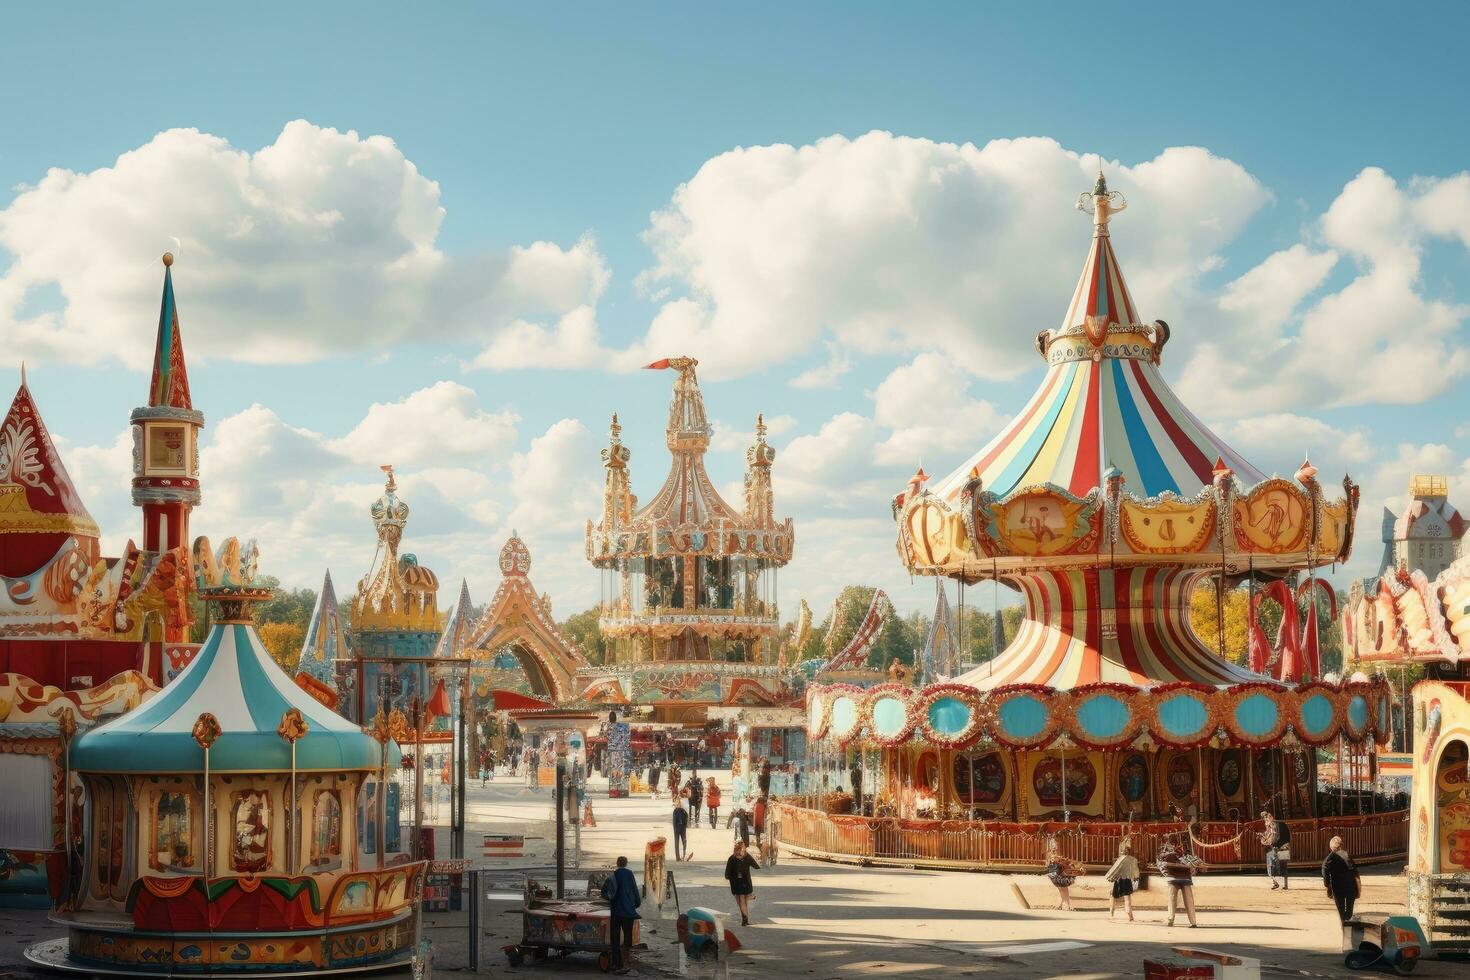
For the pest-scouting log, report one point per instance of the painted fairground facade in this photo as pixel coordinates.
(1404, 617)
(233, 824)
(688, 582)
(1104, 503)
(1439, 839)
(84, 635)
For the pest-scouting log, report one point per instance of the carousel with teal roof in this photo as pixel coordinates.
(233, 824)
(1105, 503)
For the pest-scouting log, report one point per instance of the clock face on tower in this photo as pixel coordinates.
(168, 448)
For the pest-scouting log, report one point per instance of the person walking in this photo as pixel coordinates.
(712, 801)
(696, 797)
(737, 872)
(741, 816)
(1340, 878)
(1062, 873)
(654, 772)
(681, 829)
(621, 892)
(1178, 870)
(1277, 840)
(1121, 876)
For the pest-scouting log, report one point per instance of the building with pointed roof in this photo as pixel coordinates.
(1429, 535)
(1104, 503)
(394, 659)
(688, 602)
(84, 636)
(519, 622)
(325, 643)
(69, 617)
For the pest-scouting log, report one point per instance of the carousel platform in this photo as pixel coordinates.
(993, 845)
(111, 945)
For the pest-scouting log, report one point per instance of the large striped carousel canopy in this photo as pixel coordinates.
(1106, 461)
(233, 678)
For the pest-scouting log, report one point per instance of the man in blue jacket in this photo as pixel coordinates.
(621, 892)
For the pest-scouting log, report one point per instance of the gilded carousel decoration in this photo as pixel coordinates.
(1104, 503)
(234, 824)
(688, 581)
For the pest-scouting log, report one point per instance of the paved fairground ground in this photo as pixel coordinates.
(816, 920)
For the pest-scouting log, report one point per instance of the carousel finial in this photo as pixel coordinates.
(168, 259)
(22, 374)
(1101, 203)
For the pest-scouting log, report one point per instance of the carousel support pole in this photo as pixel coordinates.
(382, 832)
(1066, 813)
(561, 817)
(206, 730)
(66, 723)
(1341, 798)
(457, 848)
(418, 778)
(291, 728)
(1250, 786)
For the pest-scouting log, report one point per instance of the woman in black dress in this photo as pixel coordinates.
(737, 872)
(1340, 877)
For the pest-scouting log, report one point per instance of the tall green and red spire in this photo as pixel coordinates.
(170, 383)
(166, 436)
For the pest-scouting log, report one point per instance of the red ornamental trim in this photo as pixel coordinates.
(980, 715)
(1229, 700)
(1066, 710)
(870, 701)
(1207, 696)
(1050, 702)
(1305, 693)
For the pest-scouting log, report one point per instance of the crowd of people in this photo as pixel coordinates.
(1177, 865)
(697, 798)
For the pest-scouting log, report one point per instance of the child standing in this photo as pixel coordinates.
(1121, 874)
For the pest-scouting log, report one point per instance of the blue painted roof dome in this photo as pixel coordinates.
(233, 678)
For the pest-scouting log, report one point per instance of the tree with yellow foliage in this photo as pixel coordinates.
(283, 642)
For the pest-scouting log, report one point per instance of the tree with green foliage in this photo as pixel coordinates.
(585, 634)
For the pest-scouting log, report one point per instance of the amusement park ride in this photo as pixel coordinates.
(1105, 502)
(227, 807)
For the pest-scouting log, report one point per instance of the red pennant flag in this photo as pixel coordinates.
(657, 365)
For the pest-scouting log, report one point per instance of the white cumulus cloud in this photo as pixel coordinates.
(321, 243)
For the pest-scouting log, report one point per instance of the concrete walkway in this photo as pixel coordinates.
(825, 921)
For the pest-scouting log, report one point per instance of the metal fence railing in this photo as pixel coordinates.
(975, 844)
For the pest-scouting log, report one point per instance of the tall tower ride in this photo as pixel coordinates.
(166, 437)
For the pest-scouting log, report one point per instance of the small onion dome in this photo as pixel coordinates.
(416, 577)
(233, 678)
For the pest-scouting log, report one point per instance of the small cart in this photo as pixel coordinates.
(565, 928)
(1374, 940)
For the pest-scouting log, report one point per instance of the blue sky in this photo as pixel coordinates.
(576, 123)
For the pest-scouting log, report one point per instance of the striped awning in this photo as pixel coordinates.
(233, 678)
(1103, 403)
(1089, 415)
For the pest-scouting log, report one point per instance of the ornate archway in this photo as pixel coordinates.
(519, 622)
